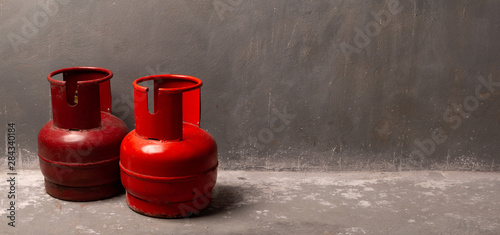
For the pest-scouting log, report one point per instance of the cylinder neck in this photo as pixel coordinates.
(77, 100)
(176, 100)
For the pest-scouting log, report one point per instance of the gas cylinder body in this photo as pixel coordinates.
(168, 164)
(79, 148)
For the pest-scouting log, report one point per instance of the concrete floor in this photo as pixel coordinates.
(282, 203)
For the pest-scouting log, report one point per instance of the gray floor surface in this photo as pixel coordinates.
(421, 202)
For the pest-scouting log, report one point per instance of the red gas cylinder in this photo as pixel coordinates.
(79, 148)
(168, 164)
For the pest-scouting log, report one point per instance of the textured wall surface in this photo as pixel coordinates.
(288, 85)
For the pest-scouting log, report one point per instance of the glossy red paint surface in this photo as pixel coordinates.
(168, 164)
(79, 149)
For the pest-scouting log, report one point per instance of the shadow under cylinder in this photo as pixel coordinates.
(168, 163)
(79, 149)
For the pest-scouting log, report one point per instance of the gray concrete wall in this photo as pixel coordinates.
(288, 85)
